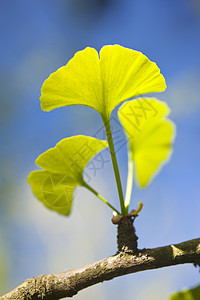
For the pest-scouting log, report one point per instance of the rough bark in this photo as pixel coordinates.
(57, 286)
(126, 236)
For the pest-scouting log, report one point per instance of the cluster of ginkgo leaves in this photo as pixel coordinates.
(102, 81)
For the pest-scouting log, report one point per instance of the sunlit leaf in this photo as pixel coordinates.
(62, 172)
(193, 294)
(150, 135)
(101, 82)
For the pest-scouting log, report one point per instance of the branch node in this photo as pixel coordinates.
(126, 236)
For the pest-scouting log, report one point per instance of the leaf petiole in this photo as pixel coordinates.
(129, 184)
(114, 162)
(87, 186)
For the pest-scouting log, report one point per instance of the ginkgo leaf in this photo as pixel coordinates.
(150, 136)
(62, 172)
(193, 294)
(54, 190)
(101, 82)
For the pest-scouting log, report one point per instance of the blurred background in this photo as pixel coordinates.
(38, 37)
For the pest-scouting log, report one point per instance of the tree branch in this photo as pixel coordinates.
(57, 286)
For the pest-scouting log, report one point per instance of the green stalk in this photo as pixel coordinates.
(114, 162)
(129, 184)
(100, 197)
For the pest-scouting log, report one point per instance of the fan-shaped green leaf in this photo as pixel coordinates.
(193, 294)
(149, 134)
(101, 83)
(62, 172)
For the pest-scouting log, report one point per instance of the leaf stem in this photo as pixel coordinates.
(129, 184)
(114, 162)
(100, 197)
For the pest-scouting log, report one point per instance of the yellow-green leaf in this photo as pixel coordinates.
(150, 136)
(101, 82)
(54, 190)
(62, 172)
(193, 294)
